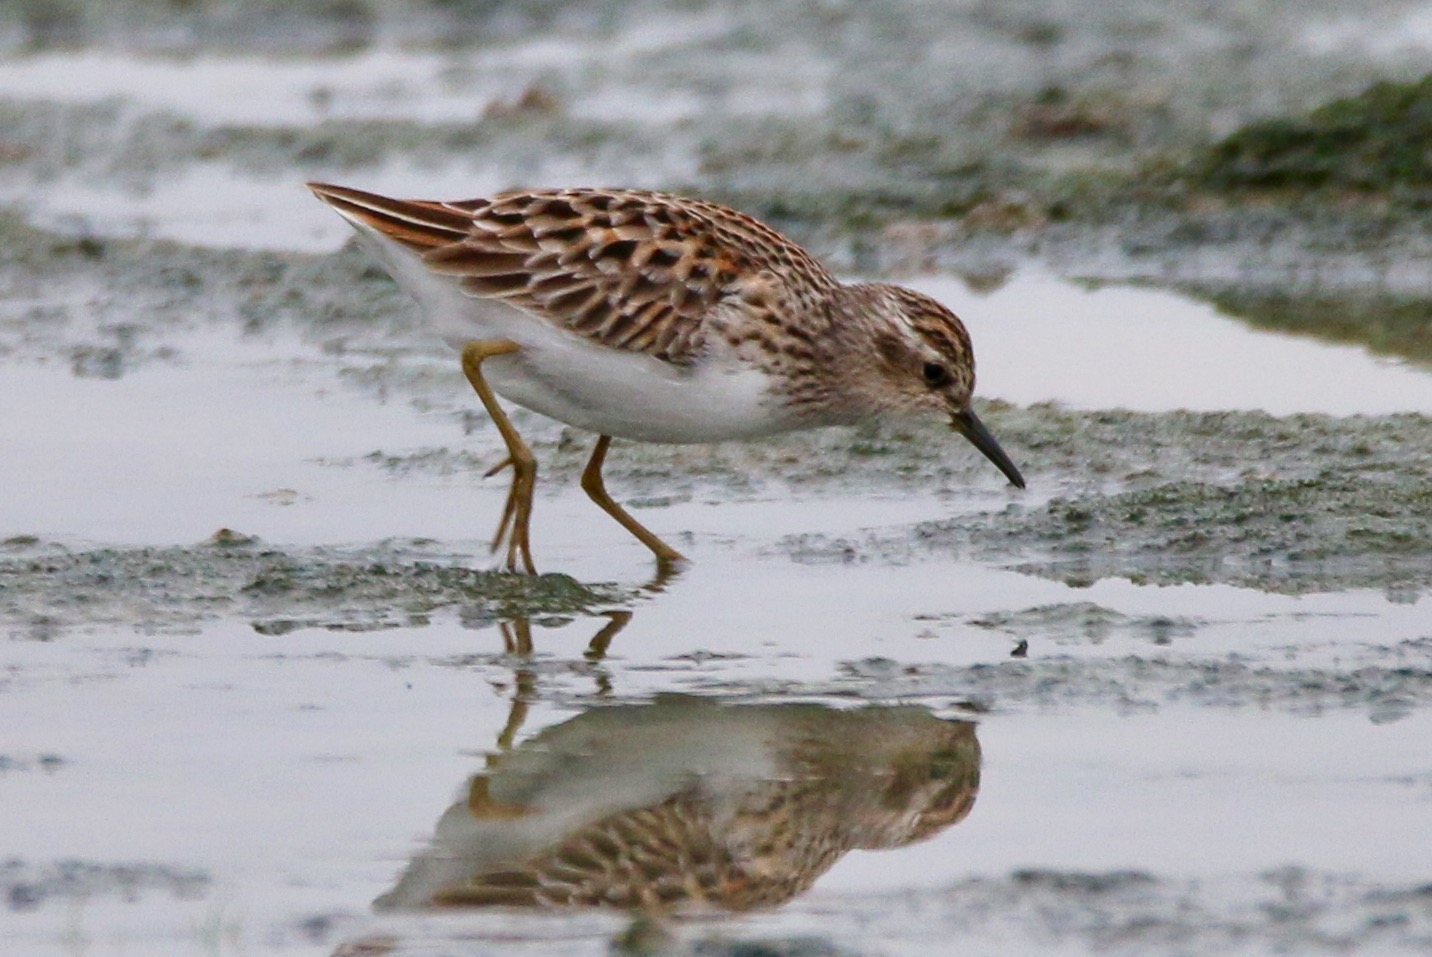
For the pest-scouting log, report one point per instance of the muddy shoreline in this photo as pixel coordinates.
(1206, 623)
(1297, 503)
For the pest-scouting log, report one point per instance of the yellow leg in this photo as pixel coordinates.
(517, 638)
(517, 513)
(596, 490)
(484, 807)
(597, 647)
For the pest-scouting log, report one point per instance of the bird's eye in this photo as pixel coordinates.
(936, 374)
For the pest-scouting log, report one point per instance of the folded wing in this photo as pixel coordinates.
(633, 270)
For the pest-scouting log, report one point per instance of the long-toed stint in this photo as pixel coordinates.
(647, 316)
(686, 805)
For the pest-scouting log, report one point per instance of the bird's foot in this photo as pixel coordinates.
(513, 529)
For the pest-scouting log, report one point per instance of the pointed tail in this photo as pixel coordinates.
(420, 225)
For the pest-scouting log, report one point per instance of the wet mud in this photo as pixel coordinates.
(1283, 503)
(1301, 503)
(1206, 623)
(49, 588)
(30, 886)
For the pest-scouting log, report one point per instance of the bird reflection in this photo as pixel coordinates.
(686, 804)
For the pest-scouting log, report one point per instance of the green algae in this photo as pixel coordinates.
(48, 588)
(1375, 141)
(1340, 529)
(1389, 323)
(1291, 504)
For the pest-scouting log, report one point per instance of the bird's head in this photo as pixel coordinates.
(924, 363)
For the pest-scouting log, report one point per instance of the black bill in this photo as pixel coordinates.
(968, 424)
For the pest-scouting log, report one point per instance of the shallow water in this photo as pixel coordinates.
(238, 743)
(1045, 340)
(163, 451)
(357, 741)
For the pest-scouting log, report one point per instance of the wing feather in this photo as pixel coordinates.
(634, 270)
(657, 856)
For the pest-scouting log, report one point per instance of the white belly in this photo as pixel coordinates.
(634, 396)
(569, 378)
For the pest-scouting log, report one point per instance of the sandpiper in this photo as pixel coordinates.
(684, 805)
(648, 316)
